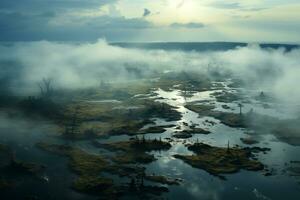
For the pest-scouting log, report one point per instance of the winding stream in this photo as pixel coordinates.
(197, 184)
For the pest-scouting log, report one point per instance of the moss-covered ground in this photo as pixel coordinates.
(217, 160)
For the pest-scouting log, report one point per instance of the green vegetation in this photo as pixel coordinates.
(99, 111)
(103, 119)
(155, 129)
(80, 161)
(43, 107)
(227, 97)
(135, 151)
(231, 119)
(188, 133)
(25, 167)
(137, 144)
(216, 160)
(201, 109)
(131, 157)
(95, 185)
(193, 81)
(92, 119)
(126, 170)
(124, 109)
(285, 130)
(160, 110)
(90, 167)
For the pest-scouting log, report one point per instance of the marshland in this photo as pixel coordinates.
(132, 129)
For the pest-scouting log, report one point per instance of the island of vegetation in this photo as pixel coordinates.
(90, 169)
(217, 160)
(188, 133)
(135, 150)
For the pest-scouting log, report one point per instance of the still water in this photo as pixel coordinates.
(55, 182)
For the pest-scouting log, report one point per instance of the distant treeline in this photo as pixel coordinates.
(199, 46)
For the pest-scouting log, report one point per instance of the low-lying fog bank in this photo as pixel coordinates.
(23, 65)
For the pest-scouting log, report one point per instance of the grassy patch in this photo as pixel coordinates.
(216, 160)
(135, 151)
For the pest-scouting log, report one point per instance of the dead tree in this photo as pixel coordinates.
(71, 128)
(228, 147)
(46, 89)
(184, 91)
(240, 106)
(143, 139)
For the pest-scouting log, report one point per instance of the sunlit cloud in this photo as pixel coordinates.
(89, 20)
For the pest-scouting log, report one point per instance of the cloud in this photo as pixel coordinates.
(75, 66)
(225, 5)
(57, 5)
(236, 6)
(187, 25)
(24, 26)
(22, 65)
(32, 20)
(106, 22)
(253, 9)
(180, 4)
(146, 12)
(236, 16)
(19, 26)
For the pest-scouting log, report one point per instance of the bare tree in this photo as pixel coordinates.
(240, 106)
(46, 88)
(184, 91)
(228, 147)
(71, 128)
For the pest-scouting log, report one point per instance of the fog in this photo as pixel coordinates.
(87, 64)
(75, 122)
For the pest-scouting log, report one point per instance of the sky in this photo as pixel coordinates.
(275, 21)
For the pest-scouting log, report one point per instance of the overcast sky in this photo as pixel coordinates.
(150, 20)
